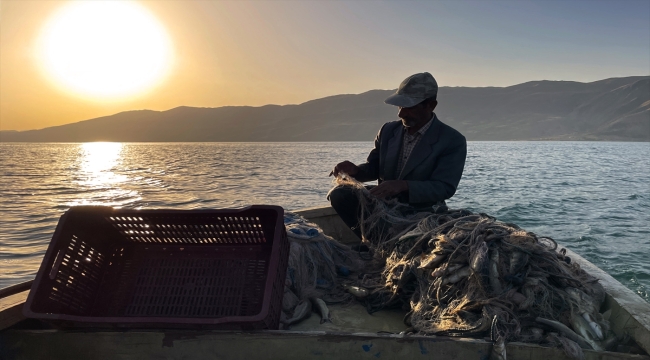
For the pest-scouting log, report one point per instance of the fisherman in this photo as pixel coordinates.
(418, 160)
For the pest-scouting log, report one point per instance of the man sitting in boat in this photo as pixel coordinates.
(418, 160)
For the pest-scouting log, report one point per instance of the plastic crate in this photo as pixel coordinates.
(217, 269)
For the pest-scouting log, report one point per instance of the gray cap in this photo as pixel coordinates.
(413, 90)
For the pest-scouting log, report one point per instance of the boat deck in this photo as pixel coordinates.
(353, 318)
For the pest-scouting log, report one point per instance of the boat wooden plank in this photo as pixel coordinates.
(11, 309)
(15, 289)
(34, 345)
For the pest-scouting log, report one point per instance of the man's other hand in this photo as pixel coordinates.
(345, 167)
(389, 188)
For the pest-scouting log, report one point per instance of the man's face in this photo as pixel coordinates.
(415, 115)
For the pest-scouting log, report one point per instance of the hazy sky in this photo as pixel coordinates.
(288, 52)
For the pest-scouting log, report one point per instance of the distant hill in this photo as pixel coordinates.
(615, 109)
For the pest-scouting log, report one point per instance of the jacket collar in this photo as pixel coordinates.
(423, 148)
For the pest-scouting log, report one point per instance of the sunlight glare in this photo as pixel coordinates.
(104, 49)
(98, 158)
(98, 179)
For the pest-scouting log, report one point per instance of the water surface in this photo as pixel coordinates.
(593, 197)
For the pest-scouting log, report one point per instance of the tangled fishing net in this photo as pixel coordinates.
(316, 265)
(460, 273)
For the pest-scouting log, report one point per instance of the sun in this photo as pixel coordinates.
(104, 49)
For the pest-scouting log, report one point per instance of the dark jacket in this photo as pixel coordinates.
(433, 169)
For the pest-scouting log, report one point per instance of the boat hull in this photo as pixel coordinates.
(630, 315)
(52, 344)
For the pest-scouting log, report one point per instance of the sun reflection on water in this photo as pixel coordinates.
(98, 176)
(97, 161)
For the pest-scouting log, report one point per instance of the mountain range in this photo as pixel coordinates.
(615, 109)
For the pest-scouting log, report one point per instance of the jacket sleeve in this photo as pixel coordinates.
(369, 170)
(444, 178)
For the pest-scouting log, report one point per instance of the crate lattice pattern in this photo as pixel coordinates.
(198, 288)
(174, 230)
(78, 272)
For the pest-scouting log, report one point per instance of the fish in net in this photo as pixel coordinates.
(460, 273)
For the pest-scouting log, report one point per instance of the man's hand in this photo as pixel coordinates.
(389, 188)
(345, 167)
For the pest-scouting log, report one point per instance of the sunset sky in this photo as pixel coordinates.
(217, 53)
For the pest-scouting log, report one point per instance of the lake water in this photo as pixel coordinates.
(593, 197)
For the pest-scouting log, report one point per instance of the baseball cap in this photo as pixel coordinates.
(413, 90)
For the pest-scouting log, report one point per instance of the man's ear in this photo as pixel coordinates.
(433, 104)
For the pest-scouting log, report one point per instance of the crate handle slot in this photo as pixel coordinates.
(57, 262)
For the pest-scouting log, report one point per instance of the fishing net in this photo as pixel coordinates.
(316, 260)
(460, 273)
(317, 264)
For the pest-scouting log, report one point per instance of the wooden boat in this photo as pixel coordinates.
(353, 335)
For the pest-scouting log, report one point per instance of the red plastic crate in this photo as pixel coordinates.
(217, 269)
